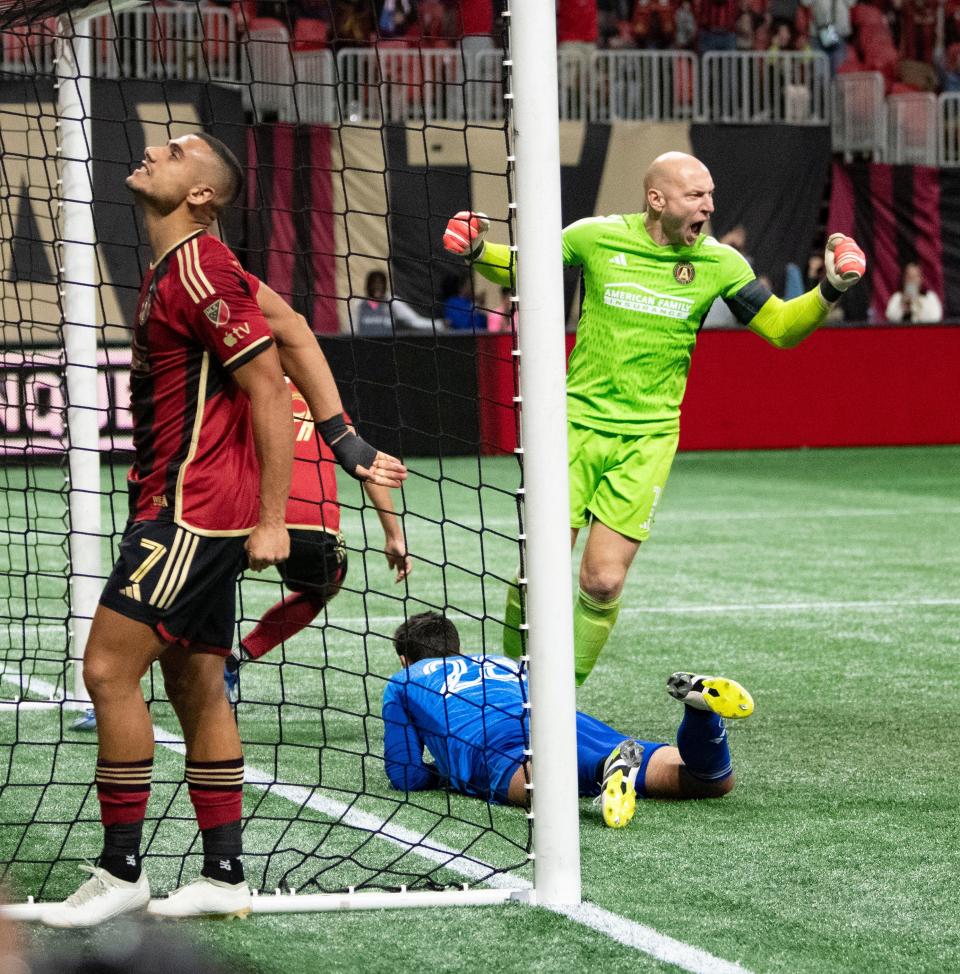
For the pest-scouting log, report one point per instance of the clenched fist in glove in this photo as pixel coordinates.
(465, 232)
(845, 264)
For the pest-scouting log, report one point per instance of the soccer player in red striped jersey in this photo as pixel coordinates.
(317, 565)
(208, 490)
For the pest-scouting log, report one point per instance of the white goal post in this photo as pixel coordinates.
(536, 141)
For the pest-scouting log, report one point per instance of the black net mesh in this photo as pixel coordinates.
(357, 148)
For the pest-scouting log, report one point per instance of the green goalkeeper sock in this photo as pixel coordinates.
(592, 623)
(512, 642)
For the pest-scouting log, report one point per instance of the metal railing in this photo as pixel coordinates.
(766, 87)
(183, 42)
(401, 84)
(267, 73)
(912, 129)
(395, 83)
(655, 86)
(948, 129)
(314, 98)
(859, 115)
(29, 49)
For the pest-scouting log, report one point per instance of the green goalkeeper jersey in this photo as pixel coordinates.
(642, 307)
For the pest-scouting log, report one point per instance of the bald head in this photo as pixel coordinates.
(671, 168)
(678, 190)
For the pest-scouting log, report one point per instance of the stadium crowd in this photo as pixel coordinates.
(915, 44)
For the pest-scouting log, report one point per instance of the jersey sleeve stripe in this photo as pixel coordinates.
(185, 280)
(248, 354)
(204, 287)
(188, 273)
(195, 246)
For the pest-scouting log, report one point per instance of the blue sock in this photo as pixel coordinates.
(702, 741)
(595, 741)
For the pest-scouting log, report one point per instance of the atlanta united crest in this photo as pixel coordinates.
(218, 313)
(684, 273)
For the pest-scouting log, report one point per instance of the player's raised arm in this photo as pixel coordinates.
(303, 360)
(787, 323)
(465, 237)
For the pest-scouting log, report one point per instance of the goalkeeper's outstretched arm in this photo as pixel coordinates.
(465, 237)
(787, 323)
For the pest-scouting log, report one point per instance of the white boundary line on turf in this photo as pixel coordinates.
(865, 604)
(621, 929)
(678, 517)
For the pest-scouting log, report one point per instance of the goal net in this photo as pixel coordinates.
(355, 154)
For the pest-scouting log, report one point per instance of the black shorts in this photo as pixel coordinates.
(183, 585)
(317, 562)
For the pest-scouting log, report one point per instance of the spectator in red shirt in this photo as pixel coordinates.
(577, 26)
(918, 31)
(654, 23)
(476, 28)
(716, 20)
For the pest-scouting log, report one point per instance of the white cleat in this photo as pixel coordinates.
(100, 898)
(205, 897)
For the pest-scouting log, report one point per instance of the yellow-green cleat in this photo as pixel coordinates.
(717, 693)
(618, 794)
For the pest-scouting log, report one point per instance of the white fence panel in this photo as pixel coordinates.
(184, 42)
(401, 84)
(29, 50)
(267, 70)
(573, 81)
(912, 128)
(764, 87)
(657, 86)
(315, 89)
(485, 87)
(859, 115)
(948, 129)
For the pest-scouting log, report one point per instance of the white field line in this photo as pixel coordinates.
(733, 517)
(621, 929)
(366, 623)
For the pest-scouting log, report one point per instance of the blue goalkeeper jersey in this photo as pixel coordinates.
(468, 711)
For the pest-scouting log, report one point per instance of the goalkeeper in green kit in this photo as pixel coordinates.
(649, 280)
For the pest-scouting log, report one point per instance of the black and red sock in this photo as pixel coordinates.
(216, 790)
(123, 788)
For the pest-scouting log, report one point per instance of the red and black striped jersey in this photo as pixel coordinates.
(313, 487)
(197, 322)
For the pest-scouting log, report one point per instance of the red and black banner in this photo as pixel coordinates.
(290, 217)
(899, 215)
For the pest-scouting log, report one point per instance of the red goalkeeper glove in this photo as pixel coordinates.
(844, 261)
(465, 232)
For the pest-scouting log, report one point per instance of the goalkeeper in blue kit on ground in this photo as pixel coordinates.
(468, 712)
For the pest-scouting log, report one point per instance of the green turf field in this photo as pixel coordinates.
(826, 581)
